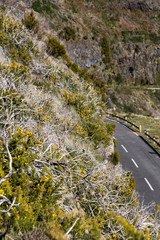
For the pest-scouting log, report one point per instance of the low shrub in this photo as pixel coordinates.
(115, 100)
(129, 108)
(116, 158)
(132, 182)
(97, 130)
(105, 51)
(83, 74)
(42, 6)
(30, 21)
(115, 142)
(119, 78)
(75, 67)
(85, 37)
(68, 33)
(154, 38)
(99, 83)
(55, 48)
(18, 45)
(1, 22)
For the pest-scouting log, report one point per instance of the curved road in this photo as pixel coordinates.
(136, 156)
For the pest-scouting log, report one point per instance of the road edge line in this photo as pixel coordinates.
(149, 184)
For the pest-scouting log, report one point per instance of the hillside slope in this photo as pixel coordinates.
(131, 29)
(119, 40)
(59, 174)
(116, 42)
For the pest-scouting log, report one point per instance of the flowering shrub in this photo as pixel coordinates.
(24, 182)
(94, 127)
(14, 36)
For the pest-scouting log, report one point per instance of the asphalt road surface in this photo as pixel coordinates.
(139, 158)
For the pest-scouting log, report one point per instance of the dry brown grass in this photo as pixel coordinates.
(153, 124)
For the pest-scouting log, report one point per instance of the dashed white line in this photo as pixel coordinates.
(136, 133)
(134, 162)
(124, 148)
(149, 184)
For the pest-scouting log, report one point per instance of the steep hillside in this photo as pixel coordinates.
(118, 39)
(59, 175)
(140, 101)
(116, 42)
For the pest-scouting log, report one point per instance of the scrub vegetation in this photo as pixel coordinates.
(58, 178)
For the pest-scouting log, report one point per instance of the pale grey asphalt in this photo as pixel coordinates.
(147, 160)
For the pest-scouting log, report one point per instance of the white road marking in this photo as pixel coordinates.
(124, 148)
(148, 184)
(135, 133)
(134, 162)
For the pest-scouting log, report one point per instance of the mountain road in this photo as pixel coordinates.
(139, 158)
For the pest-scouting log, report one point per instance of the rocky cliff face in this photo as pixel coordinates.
(132, 29)
(148, 5)
(138, 63)
(85, 53)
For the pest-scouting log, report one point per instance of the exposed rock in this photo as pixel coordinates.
(141, 65)
(148, 5)
(89, 5)
(84, 53)
(133, 5)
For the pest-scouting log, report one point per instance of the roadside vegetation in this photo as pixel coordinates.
(148, 123)
(134, 101)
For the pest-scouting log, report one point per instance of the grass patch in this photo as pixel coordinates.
(147, 123)
(139, 37)
(44, 6)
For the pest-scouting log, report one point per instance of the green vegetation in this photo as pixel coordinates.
(75, 67)
(11, 33)
(1, 21)
(55, 48)
(58, 177)
(85, 37)
(154, 38)
(73, 20)
(26, 187)
(139, 37)
(135, 37)
(68, 33)
(143, 102)
(98, 82)
(129, 108)
(106, 55)
(147, 123)
(115, 142)
(116, 158)
(119, 78)
(45, 6)
(30, 21)
(156, 95)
